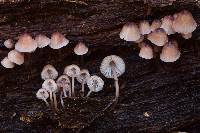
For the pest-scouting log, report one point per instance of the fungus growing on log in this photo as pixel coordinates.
(58, 41)
(7, 63)
(144, 27)
(16, 57)
(42, 41)
(9, 44)
(167, 23)
(146, 51)
(43, 95)
(49, 72)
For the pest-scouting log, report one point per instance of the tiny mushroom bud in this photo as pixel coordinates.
(144, 27)
(49, 72)
(187, 36)
(184, 22)
(130, 32)
(7, 63)
(72, 71)
(51, 86)
(9, 43)
(42, 41)
(58, 41)
(16, 57)
(146, 51)
(80, 49)
(155, 25)
(26, 44)
(43, 95)
(170, 52)
(95, 84)
(112, 67)
(82, 78)
(158, 37)
(167, 23)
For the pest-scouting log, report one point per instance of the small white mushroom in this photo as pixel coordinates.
(112, 67)
(80, 49)
(43, 95)
(49, 72)
(51, 86)
(72, 71)
(42, 41)
(146, 51)
(167, 23)
(95, 84)
(16, 57)
(9, 44)
(82, 78)
(144, 27)
(58, 41)
(156, 24)
(7, 63)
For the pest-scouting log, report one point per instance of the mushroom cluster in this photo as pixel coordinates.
(64, 86)
(157, 33)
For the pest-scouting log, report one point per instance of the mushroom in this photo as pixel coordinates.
(49, 72)
(130, 32)
(7, 63)
(51, 86)
(170, 52)
(82, 78)
(187, 36)
(95, 84)
(184, 22)
(158, 37)
(140, 40)
(9, 44)
(72, 71)
(167, 22)
(64, 85)
(81, 49)
(42, 41)
(112, 67)
(58, 41)
(155, 25)
(144, 27)
(146, 51)
(16, 57)
(43, 95)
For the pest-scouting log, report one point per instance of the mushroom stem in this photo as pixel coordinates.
(55, 101)
(89, 93)
(82, 90)
(73, 94)
(61, 99)
(51, 98)
(46, 102)
(64, 92)
(116, 83)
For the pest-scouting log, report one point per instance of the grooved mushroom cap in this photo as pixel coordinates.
(42, 41)
(50, 85)
(95, 83)
(156, 24)
(42, 94)
(146, 51)
(187, 36)
(130, 32)
(7, 63)
(58, 41)
(158, 37)
(9, 43)
(16, 57)
(112, 62)
(26, 44)
(49, 72)
(184, 22)
(170, 52)
(72, 70)
(144, 27)
(83, 76)
(63, 82)
(167, 23)
(80, 49)
(140, 40)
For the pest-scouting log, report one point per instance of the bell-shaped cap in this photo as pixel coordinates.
(63, 82)
(16, 57)
(95, 83)
(49, 72)
(170, 52)
(9, 43)
(26, 44)
(80, 49)
(145, 27)
(83, 76)
(184, 22)
(72, 70)
(58, 41)
(42, 41)
(146, 51)
(156, 24)
(7, 63)
(130, 32)
(158, 37)
(50, 85)
(167, 23)
(112, 66)
(42, 94)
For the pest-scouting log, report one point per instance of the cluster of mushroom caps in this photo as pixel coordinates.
(157, 33)
(26, 45)
(111, 67)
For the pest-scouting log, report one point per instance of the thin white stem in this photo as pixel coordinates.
(61, 99)
(51, 98)
(83, 89)
(73, 93)
(46, 102)
(70, 92)
(65, 92)
(55, 101)
(89, 93)
(116, 84)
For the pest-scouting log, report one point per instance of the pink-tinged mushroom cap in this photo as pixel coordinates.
(7, 63)
(155, 25)
(9, 43)
(158, 37)
(170, 52)
(146, 51)
(42, 41)
(184, 22)
(16, 57)
(58, 41)
(49, 72)
(144, 27)
(80, 49)
(26, 44)
(130, 32)
(167, 23)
